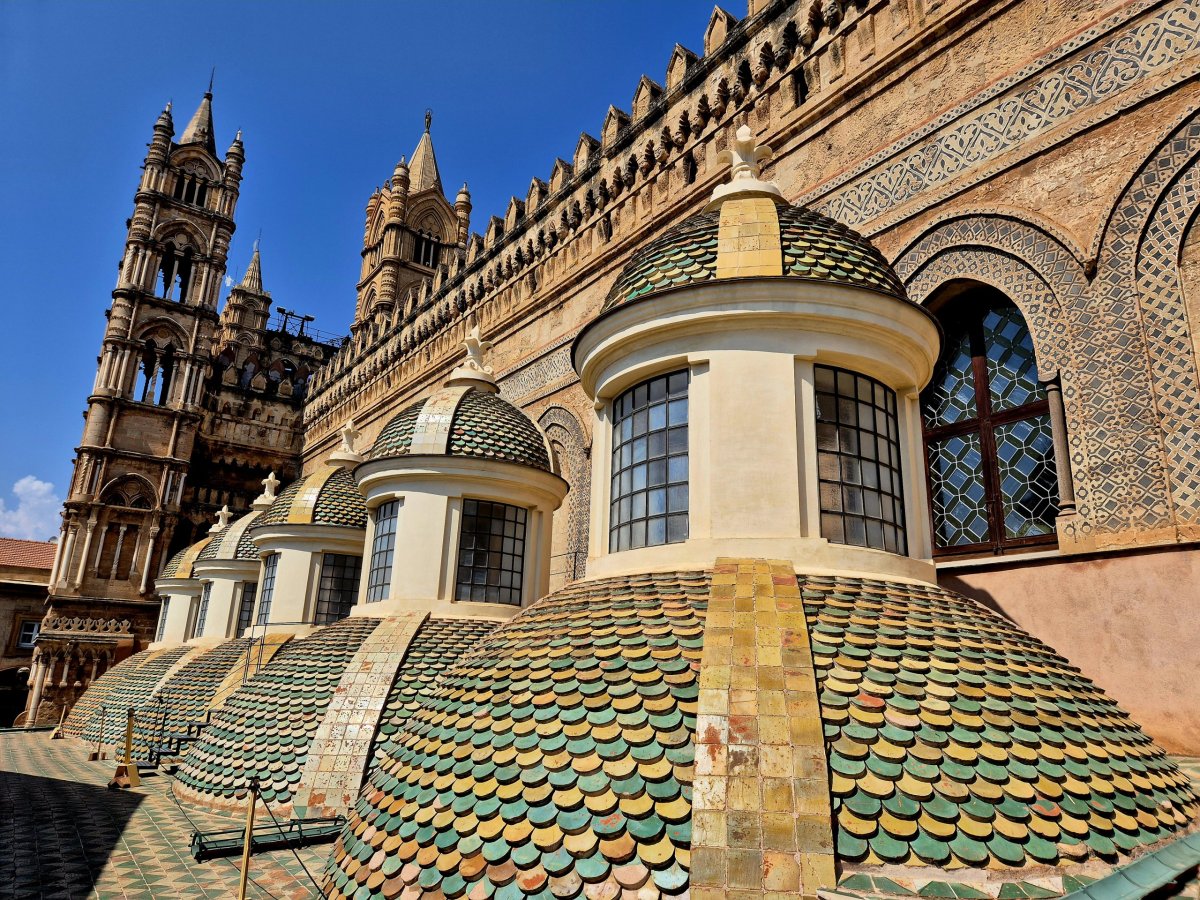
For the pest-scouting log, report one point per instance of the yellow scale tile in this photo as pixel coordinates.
(751, 729)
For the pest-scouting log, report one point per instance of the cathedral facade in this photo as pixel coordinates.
(1028, 171)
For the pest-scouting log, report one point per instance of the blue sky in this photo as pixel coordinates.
(328, 95)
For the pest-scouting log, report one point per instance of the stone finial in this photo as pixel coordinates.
(744, 156)
(475, 369)
(350, 436)
(223, 518)
(267, 497)
(346, 455)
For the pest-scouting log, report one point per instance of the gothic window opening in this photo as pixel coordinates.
(426, 251)
(270, 565)
(175, 272)
(191, 190)
(993, 481)
(858, 461)
(649, 496)
(338, 588)
(154, 374)
(491, 553)
(379, 580)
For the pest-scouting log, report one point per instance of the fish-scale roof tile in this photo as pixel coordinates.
(322, 497)
(814, 247)
(132, 689)
(265, 728)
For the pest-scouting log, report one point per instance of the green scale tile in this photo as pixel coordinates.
(266, 727)
(132, 689)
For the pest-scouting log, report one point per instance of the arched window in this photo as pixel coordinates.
(426, 250)
(175, 272)
(993, 486)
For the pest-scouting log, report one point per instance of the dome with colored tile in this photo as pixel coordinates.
(754, 237)
(232, 542)
(180, 565)
(482, 424)
(327, 496)
(745, 728)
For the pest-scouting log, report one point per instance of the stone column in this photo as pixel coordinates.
(99, 549)
(112, 573)
(145, 585)
(87, 549)
(37, 680)
(1062, 451)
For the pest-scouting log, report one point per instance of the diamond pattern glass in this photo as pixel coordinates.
(950, 396)
(1011, 366)
(993, 483)
(959, 496)
(1028, 480)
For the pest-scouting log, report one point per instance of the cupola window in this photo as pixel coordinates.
(491, 553)
(162, 619)
(202, 615)
(383, 548)
(858, 461)
(270, 565)
(338, 589)
(649, 499)
(993, 483)
(246, 607)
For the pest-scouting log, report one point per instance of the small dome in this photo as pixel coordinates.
(813, 247)
(564, 750)
(482, 425)
(180, 565)
(232, 543)
(327, 496)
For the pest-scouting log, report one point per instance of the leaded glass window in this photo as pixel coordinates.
(383, 548)
(993, 484)
(270, 564)
(858, 461)
(491, 552)
(246, 608)
(338, 589)
(650, 464)
(202, 615)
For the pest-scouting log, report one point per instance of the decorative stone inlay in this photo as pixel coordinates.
(761, 817)
(341, 745)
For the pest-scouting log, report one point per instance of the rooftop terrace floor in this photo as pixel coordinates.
(64, 835)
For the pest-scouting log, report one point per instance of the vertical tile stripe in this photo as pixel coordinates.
(762, 819)
(748, 239)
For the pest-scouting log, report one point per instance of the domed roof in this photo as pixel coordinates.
(482, 424)
(326, 496)
(180, 565)
(574, 750)
(803, 244)
(232, 542)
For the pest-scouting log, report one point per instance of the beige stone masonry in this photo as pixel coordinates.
(761, 813)
(748, 239)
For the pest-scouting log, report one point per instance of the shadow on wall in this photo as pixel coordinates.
(61, 850)
(13, 693)
(979, 595)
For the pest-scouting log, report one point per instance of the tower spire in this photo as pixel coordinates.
(252, 280)
(423, 170)
(200, 129)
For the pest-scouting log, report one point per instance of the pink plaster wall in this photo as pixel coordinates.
(1130, 622)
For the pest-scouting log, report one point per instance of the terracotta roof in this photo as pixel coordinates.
(29, 554)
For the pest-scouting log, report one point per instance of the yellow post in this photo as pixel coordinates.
(127, 775)
(252, 796)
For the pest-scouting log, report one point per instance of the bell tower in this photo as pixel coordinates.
(144, 410)
(411, 229)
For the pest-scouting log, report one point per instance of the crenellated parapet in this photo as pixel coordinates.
(774, 70)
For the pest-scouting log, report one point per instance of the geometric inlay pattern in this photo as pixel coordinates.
(950, 396)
